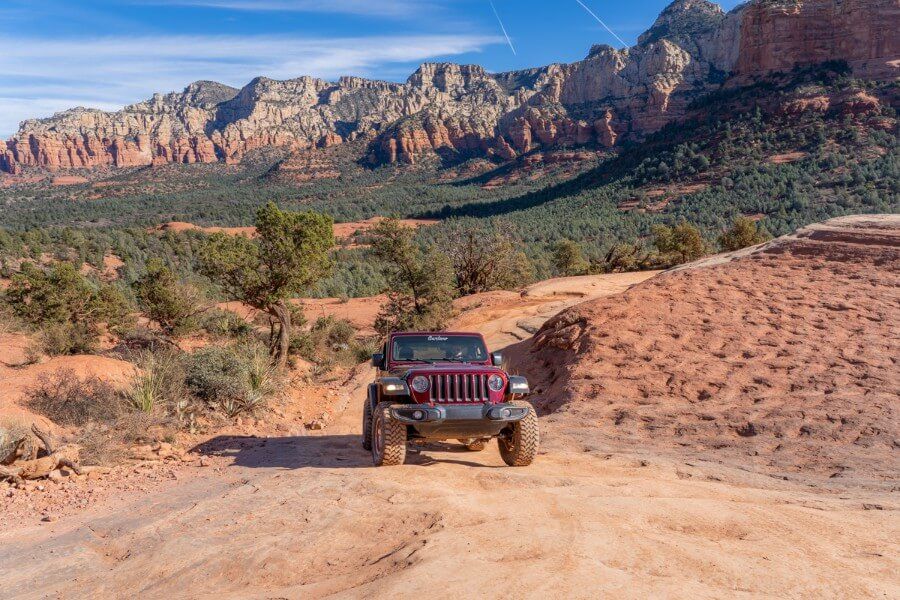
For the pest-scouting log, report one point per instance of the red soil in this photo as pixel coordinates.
(68, 180)
(787, 157)
(342, 231)
(16, 377)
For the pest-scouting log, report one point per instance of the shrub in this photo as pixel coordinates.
(67, 338)
(743, 233)
(106, 419)
(224, 323)
(215, 373)
(61, 296)
(9, 321)
(234, 379)
(325, 332)
(137, 340)
(485, 258)
(66, 399)
(330, 342)
(364, 349)
(622, 258)
(421, 281)
(679, 244)
(340, 333)
(106, 443)
(166, 300)
(568, 258)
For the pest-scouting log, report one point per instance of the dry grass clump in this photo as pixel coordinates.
(108, 421)
(66, 399)
(159, 382)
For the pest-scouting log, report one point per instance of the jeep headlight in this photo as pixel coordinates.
(495, 382)
(518, 385)
(419, 384)
(394, 387)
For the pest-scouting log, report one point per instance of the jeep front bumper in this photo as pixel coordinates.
(453, 421)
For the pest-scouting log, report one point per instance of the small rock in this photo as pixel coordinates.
(55, 476)
(205, 461)
(145, 452)
(48, 518)
(87, 470)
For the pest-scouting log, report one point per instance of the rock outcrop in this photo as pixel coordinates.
(777, 35)
(703, 360)
(611, 95)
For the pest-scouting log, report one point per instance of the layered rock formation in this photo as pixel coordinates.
(692, 48)
(776, 35)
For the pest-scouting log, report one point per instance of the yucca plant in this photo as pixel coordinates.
(160, 380)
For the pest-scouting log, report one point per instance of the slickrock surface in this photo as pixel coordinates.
(782, 359)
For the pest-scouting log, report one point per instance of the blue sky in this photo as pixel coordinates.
(107, 53)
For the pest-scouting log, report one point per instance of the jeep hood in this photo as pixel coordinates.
(445, 367)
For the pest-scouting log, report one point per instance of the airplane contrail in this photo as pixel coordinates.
(599, 20)
(502, 28)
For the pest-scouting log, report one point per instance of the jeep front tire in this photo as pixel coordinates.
(520, 445)
(367, 425)
(388, 437)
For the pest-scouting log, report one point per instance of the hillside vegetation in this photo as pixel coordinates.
(786, 151)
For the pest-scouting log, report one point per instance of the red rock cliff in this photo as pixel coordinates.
(609, 96)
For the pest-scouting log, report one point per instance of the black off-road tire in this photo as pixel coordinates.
(519, 448)
(367, 425)
(388, 438)
(474, 444)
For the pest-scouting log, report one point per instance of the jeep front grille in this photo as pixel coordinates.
(458, 388)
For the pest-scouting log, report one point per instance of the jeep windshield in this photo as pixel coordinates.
(438, 348)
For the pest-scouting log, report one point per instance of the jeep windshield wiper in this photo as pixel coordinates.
(459, 360)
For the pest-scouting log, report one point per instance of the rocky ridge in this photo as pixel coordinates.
(611, 95)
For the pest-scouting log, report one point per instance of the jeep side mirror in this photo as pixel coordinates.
(378, 360)
(496, 359)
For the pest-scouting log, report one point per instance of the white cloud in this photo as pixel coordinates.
(40, 76)
(389, 8)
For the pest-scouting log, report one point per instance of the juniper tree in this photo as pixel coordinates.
(420, 280)
(288, 255)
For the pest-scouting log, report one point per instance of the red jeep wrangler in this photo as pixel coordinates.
(442, 386)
